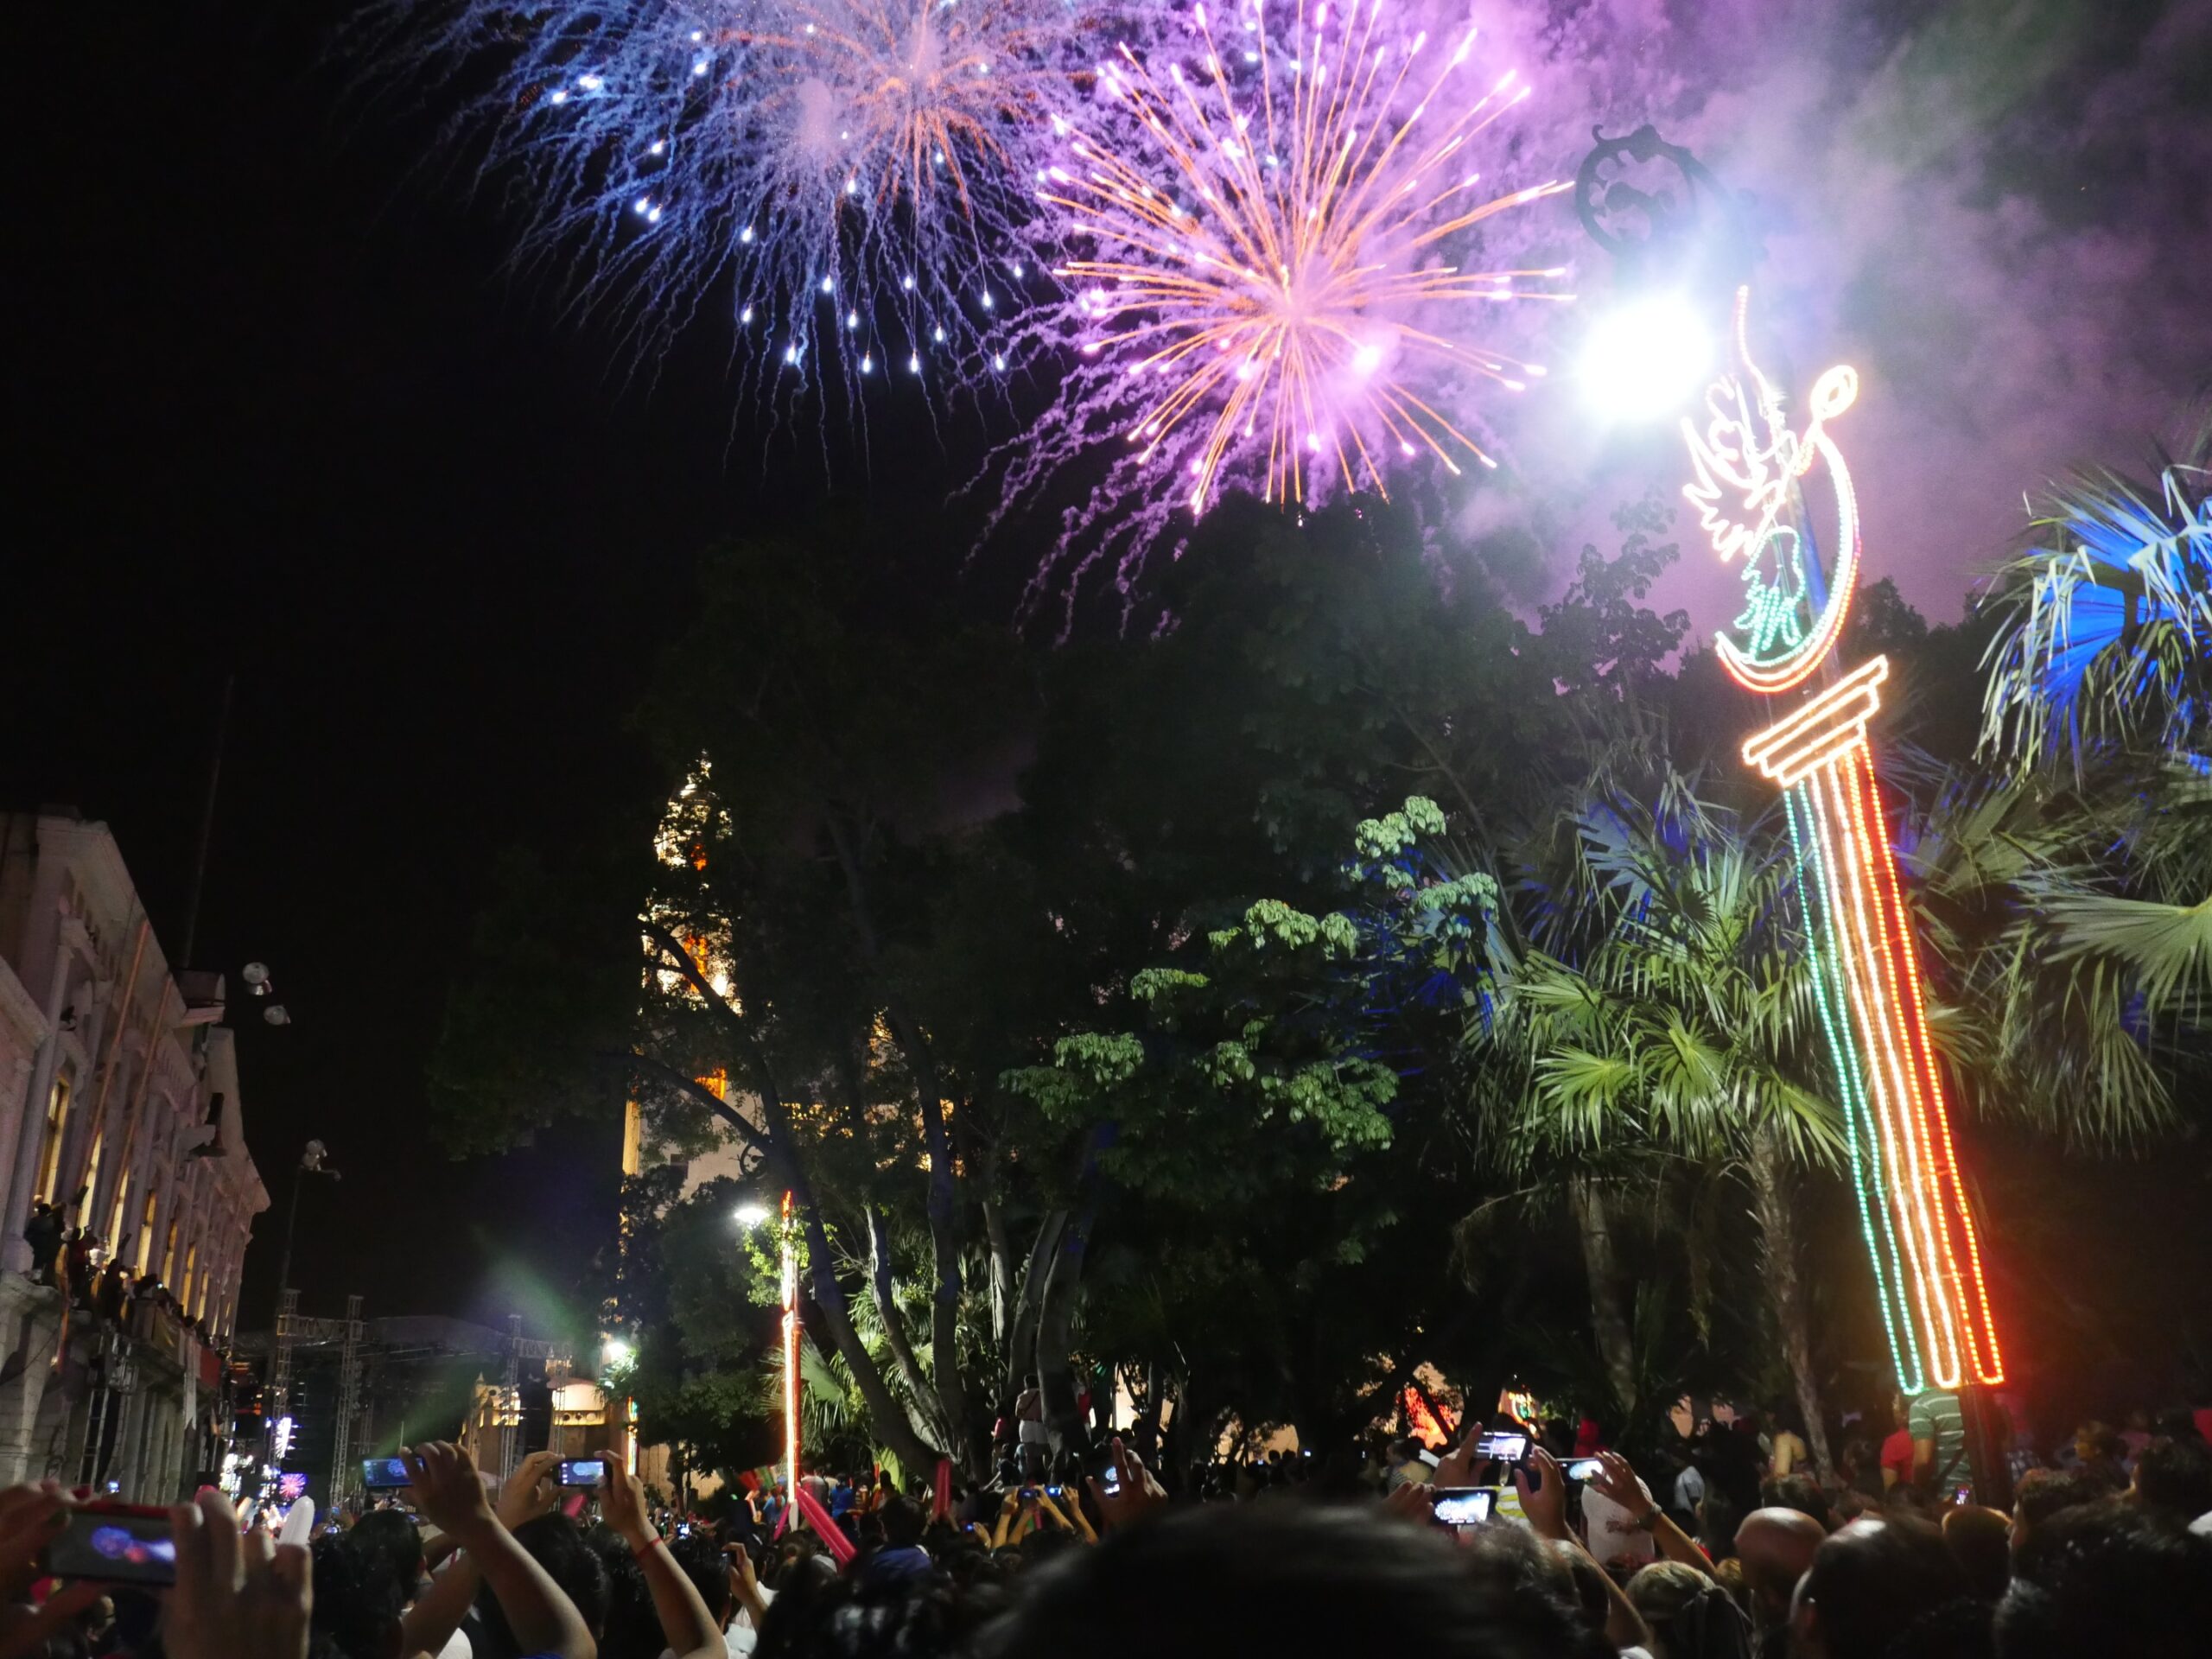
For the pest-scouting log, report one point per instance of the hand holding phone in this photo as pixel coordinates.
(113, 1543)
(528, 1492)
(1462, 1508)
(383, 1474)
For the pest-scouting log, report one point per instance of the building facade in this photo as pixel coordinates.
(129, 1193)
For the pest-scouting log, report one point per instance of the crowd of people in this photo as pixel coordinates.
(69, 1259)
(1727, 1543)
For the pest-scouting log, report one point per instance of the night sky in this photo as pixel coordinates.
(279, 413)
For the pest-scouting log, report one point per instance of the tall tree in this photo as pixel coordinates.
(1653, 1007)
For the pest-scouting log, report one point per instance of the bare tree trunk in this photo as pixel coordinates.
(942, 1206)
(942, 1203)
(1020, 1356)
(1055, 1328)
(1001, 1253)
(883, 1286)
(1608, 1318)
(1785, 1289)
(897, 1429)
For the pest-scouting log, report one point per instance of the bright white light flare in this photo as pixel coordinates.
(1647, 359)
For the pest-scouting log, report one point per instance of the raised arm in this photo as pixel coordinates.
(427, 1626)
(1620, 1483)
(1080, 1522)
(685, 1624)
(745, 1583)
(452, 1498)
(1546, 1506)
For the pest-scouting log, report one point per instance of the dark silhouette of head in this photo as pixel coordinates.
(1776, 1545)
(2110, 1578)
(1887, 1589)
(1981, 1541)
(388, 1540)
(703, 1563)
(2175, 1475)
(556, 1544)
(1294, 1577)
(356, 1608)
(902, 1521)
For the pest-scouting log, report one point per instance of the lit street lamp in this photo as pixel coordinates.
(751, 1215)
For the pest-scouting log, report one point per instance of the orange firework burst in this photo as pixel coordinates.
(1296, 307)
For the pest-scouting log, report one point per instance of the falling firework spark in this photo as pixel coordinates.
(1267, 276)
(850, 172)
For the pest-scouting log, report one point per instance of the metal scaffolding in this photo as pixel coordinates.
(343, 1476)
(510, 1400)
(280, 1368)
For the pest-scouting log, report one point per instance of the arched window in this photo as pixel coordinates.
(49, 1155)
(146, 1232)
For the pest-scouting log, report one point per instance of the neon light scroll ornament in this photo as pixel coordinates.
(1919, 1229)
(1748, 463)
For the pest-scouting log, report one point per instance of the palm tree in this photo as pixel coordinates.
(2094, 852)
(2049, 1012)
(1653, 1002)
(2108, 637)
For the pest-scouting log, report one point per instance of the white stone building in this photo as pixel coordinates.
(119, 1104)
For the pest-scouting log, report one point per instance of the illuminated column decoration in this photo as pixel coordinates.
(791, 1368)
(1912, 1203)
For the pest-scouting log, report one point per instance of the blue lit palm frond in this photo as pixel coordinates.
(2107, 637)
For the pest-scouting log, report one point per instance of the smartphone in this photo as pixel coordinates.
(1101, 1465)
(382, 1474)
(114, 1543)
(1056, 1491)
(1501, 1446)
(582, 1472)
(1462, 1507)
(1585, 1469)
(1963, 1498)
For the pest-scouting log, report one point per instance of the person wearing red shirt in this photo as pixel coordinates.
(1896, 1451)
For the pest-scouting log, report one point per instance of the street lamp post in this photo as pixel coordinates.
(313, 1161)
(749, 1216)
(790, 1284)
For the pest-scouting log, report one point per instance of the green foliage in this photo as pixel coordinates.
(1258, 1068)
(2071, 1002)
(1652, 989)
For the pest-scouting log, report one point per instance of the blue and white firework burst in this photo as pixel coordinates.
(851, 177)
